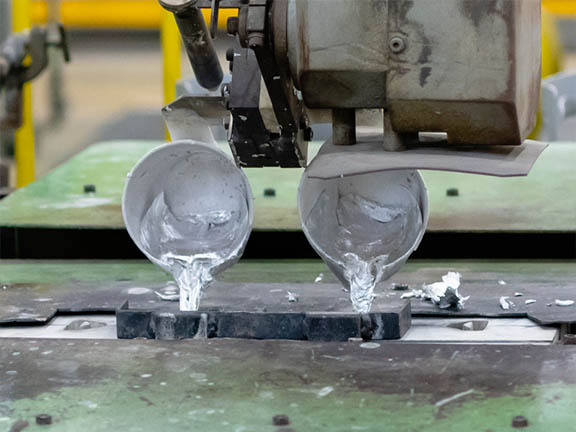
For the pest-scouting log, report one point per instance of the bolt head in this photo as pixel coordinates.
(89, 188)
(397, 44)
(281, 420)
(452, 192)
(519, 422)
(43, 419)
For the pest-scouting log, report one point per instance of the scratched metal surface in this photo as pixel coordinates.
(34, 291)
(231, 385)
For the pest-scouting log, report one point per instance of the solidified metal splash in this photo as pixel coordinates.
(443, 294)
(363, 277)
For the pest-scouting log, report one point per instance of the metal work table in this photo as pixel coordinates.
(240, 385)
(231, 385)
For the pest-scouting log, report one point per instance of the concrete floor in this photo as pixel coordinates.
(113, 89)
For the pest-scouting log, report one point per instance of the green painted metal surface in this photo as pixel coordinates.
(543, 202)
(239, 385)
(254, 271)
(236, 386)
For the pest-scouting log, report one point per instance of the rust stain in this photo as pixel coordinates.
(476, 11)
(424, 74)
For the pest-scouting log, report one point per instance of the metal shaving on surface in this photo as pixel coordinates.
(292, 298)
(518, 294)
(168, 297)
(443, 294)
(453, 398)
(501, 282)
(505, 303)
(319, 278)
(529, 302)
(564, 303)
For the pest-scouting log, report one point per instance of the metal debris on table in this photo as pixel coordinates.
(505, 303)
(564, 303)
(443, 294)
(319, 278)
(529, 302)
(292, 298)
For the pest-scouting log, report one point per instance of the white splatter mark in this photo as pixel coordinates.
(504, 303)
(325, 391)
(453, 398)
(564, 303)
(138, 291)
(292, 298)
(370, 345)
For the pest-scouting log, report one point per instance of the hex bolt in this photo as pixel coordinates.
(519, 422)
(397, 44)
(89, 188)
(281, 420)
(452, 192)
(43, 419)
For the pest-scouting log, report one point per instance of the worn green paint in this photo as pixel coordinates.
(118, 406)
(543, 202)
(168, 387)
(254, 271)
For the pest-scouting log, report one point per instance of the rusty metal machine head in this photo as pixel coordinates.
(466, 72)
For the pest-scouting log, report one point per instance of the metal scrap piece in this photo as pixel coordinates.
(504, 303)
(565, 303)
(445, 294)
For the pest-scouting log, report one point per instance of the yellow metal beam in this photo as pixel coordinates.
(171, 58)
(24, 137)
(137, 14)
(560, 7)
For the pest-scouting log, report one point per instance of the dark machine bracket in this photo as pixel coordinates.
(252, 61)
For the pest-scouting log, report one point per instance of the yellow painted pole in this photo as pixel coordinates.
(171, 57)
(24, 137)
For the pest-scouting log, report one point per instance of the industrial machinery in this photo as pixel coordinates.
(16, 69)
(448, 87)
(467, 69)
(457, 97)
